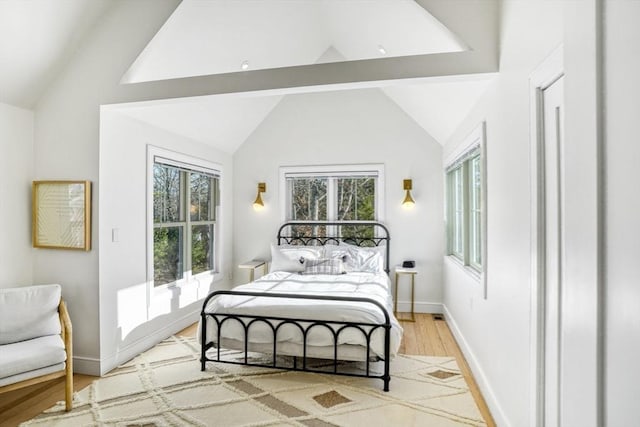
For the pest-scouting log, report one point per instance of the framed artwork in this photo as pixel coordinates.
(62, 214)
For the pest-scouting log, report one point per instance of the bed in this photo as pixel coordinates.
(326, 298)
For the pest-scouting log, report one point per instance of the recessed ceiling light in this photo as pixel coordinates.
(244, 65)
(382, 50)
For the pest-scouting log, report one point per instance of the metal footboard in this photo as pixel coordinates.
(304, 326)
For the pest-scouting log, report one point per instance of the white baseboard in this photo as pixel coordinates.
(478, 373)
(86, 366)
(129, 351)
(420, 307)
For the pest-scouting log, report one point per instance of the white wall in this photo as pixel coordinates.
(494, 332)
(622, 106)
(130, 320)
(16, 174)
(358, 126)
(580, 300)
(66, 147)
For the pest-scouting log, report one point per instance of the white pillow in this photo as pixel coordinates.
(300, 251)
(364, 259)
(291, 257)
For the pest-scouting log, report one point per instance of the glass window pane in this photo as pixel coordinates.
(359, 234)
(356, 199)
(166, 194)
(351, 198)
(475, 184)
(457, 211)
(475, 177)
(202, 187)
(308, 199)
(168, 257)
(201, 248)
(476, 249)
(305, 234)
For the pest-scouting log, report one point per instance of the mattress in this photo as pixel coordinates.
(319, 338)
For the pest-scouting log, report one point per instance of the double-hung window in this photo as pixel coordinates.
(465, 204)
(340, 193)
(185, 204)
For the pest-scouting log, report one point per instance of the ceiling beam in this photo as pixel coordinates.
(474, 22)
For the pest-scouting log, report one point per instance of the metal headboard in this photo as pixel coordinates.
(320, 233)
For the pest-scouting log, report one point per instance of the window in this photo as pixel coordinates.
(475, 212)
(185, 201)
(465, 201)
(456, 220)
(341, 193)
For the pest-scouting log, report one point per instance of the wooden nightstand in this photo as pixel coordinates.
(252, 265)
(402, 271)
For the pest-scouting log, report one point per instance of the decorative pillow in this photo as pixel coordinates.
(365, 259)
(324, 266)
(291, 258)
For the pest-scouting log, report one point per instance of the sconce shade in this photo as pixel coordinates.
(408, 201)
(258, 204)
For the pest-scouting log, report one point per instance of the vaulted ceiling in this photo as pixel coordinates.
(225, 36)
(208, 37)
(37, 38)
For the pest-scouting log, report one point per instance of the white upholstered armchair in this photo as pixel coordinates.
(35, 338)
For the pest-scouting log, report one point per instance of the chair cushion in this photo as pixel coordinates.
(31, 374)
(30, 355)
(29, 312)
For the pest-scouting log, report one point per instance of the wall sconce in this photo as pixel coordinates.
(258, 204)
(408, 201)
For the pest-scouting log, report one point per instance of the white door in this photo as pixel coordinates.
(552, 98)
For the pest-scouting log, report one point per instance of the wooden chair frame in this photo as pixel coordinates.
(67, 335)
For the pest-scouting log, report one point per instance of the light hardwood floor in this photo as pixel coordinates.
(426, 336)
(429, 336)
(23, 404)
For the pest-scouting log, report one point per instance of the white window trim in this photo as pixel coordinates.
(329, 170)
(477, 138)
(201, 280)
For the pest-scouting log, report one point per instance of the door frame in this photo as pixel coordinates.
(547, 73)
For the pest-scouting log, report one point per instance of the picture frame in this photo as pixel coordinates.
(61, 215)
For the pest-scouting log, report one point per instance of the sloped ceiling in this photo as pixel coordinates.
(440, 105)
(37, 37)
(212, 37)
(225, 122)
(222, 122)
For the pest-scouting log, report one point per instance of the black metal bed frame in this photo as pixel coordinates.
(358, 236)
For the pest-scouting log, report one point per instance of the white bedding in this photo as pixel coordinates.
(373, 286)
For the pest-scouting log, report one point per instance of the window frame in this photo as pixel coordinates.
(461, 162)
(194, 164)
(343, 171)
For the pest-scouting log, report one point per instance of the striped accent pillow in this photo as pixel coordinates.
(323, 266)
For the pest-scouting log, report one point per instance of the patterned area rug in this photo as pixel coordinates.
(165, 387)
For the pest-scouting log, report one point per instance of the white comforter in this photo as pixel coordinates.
(367, 285)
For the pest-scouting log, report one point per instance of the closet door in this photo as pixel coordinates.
(554, 248)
